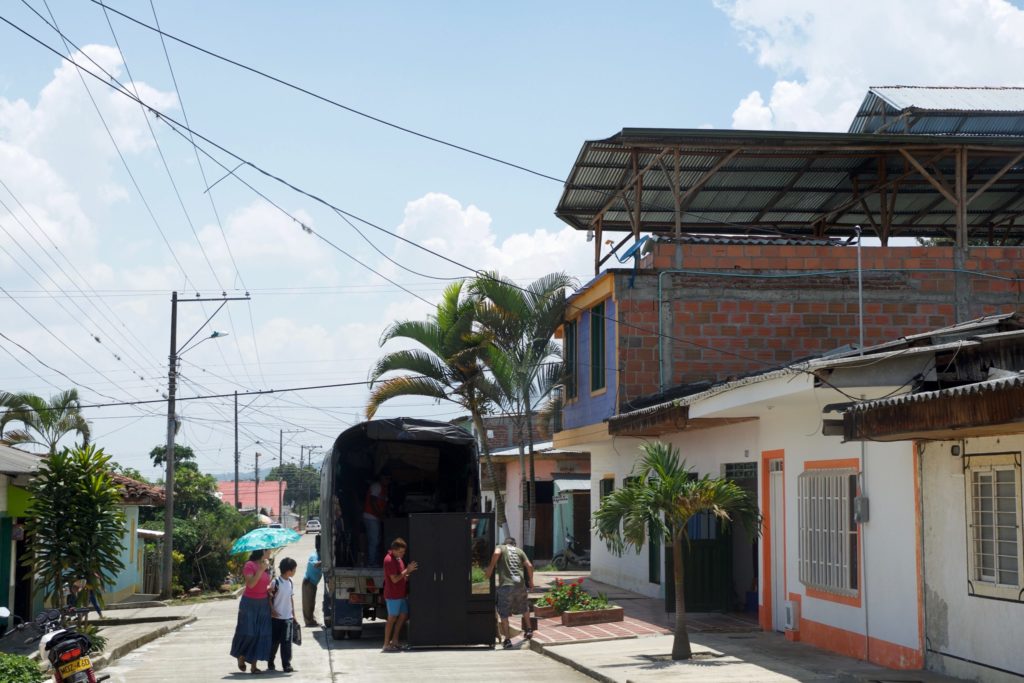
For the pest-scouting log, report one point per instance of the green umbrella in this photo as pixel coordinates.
(263, 539)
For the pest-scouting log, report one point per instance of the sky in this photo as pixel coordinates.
(102, 215)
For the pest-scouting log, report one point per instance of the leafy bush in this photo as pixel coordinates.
(19, 669)
(570, 597)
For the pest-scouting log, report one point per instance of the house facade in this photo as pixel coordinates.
(750, 257)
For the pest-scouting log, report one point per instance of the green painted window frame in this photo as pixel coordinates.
(571, 361)
(597, 350)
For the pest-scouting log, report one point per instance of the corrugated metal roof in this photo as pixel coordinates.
(739, 239)
(961, 111)
(976, 389)
(791, 184)
(953, 98)
(14, 461)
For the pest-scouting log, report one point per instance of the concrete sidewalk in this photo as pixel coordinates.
(761, 657)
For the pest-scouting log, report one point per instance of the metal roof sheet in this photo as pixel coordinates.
(795, 184)
(14, 461)
(976, 389)
(953, 98)
(941, 111)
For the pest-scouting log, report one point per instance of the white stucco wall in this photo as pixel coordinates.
(969, 627)
(889, 594)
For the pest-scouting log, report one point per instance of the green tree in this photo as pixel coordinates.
(303, 483)
(194, 492)
(204, 541)
(129, 472)
(659, 501)
(519, 323)
(181, 454)
(449, 366)
(75, 522)
(48, 421)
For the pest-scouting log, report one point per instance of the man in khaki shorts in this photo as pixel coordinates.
(515, 577)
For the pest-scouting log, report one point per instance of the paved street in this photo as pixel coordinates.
(199, 652)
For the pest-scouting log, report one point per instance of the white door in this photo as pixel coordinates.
(778, 555)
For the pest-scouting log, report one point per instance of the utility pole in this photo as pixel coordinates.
(172, 382)
(172, 385)
(280, 471)
(236, 450)
(257, 468)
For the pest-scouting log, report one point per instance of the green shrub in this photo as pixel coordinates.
(19, 669)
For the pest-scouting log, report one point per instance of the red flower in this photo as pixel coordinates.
(551, 600)
(579, 581)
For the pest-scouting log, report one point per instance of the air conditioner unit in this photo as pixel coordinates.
(791, 617)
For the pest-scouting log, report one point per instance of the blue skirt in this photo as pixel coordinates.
(252, 633)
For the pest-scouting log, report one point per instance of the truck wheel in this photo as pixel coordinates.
(338, 634)
(355, 635)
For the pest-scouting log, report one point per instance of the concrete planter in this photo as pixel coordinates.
(545, 611)
(597, 616)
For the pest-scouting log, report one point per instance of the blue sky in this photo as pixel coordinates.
(524, 81)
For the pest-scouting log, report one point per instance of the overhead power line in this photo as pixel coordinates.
(328, 100)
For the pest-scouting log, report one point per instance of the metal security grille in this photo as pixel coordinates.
(737, 471)
(828, 534)
(994, 526)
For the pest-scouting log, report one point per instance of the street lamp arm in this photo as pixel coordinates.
(207, 322)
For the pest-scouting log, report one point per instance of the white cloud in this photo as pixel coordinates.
(465, 234)
(826, 54)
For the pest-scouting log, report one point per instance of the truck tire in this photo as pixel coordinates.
(355, 635)
(338, 634)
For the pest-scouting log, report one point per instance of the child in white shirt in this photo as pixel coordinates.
(282, 612)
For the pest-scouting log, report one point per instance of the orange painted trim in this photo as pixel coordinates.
(765, 613)
(850, 644)
(919, 543)
(848, 600)
(837, 464)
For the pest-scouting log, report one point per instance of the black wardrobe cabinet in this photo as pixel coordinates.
(446, 607)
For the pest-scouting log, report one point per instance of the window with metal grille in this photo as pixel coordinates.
(606, 486)
(828, 534)
(597, 380)
(994, 538)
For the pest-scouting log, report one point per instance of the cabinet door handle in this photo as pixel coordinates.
(435, 576)
(442, 576)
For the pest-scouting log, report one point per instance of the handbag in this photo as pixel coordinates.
(296, 633)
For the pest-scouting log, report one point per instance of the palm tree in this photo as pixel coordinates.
(448, 367)
(13, 407)
(520, 323)
(48, 421)
(660, 500)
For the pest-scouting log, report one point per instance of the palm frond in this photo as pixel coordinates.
(410, 360)
(396, 387)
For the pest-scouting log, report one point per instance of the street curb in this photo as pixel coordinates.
(567, 661)
(109, 658)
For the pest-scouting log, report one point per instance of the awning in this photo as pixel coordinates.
(572, 484)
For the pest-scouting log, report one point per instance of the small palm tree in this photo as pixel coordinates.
(48, 421)
(448, 367)
(660, 500)
(12, 409)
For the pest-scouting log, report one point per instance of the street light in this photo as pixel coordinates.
(172, 385)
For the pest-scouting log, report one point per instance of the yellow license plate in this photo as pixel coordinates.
(80, 664)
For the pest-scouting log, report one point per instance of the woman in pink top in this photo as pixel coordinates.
(252, 632)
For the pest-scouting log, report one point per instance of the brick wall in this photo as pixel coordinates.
(751, 307)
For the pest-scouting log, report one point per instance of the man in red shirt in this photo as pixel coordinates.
(396, 588)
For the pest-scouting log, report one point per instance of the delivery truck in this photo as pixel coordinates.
(413, 479)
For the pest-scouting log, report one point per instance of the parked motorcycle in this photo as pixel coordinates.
(573, 555)
(66, 649)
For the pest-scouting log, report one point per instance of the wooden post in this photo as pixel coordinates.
(960, 250)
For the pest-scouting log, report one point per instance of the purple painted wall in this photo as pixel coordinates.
(586, 409)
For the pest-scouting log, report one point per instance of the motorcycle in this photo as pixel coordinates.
(573, 555)
(66, 649)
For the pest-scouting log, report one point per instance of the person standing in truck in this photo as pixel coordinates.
(396, 591)
(374, 507)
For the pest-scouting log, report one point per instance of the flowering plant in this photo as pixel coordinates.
(570, 597)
